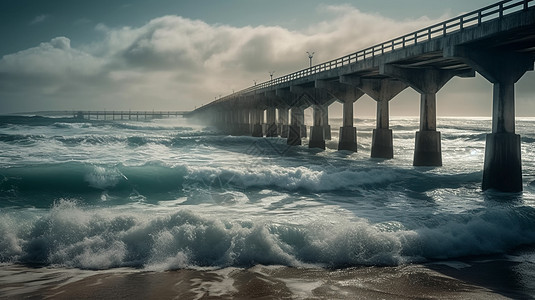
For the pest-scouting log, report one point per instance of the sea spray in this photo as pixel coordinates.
(83, 237)
(164, 194)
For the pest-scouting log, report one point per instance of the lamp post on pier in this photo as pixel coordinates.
(310, 55)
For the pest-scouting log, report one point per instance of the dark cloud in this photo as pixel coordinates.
(177, 63)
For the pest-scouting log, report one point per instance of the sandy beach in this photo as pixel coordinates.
(492, 279)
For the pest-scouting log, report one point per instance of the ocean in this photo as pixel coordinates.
(232, 216)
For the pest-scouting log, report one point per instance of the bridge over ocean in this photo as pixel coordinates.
(497, 41)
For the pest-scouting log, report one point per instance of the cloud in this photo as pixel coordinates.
(177, 63)
(39, 19)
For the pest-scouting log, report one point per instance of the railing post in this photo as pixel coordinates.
(461, 24)
(525, 4)
(479, 18)
(501, 10)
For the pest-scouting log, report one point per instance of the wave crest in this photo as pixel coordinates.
(97, 239)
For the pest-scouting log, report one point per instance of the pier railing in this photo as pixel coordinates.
(454, 25)
(126, 115)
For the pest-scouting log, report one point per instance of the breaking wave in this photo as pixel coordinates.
(72, 236)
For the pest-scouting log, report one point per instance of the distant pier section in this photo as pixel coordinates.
(126, 115)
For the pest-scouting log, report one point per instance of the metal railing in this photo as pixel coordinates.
(471, 19)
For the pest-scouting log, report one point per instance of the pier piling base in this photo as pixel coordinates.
(304, 131)
(271, 130)
(257, 130)
(327, 132)
(348, 138)
(503, 166)
(284, 131)
(382, 145)
(294, 135)
(427, 150)
(317, 137)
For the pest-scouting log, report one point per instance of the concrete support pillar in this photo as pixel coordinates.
(301, 119)
(347, 93)
(271, 124)
(326, 126)
(382, 139)
(283, 121)
(428, 148)
(317, 132)
(244, 122)
(503, 164)
(294, 132)
(348, 133)
(427, 81)
(233, 122)
(258, 120)
(382, 91)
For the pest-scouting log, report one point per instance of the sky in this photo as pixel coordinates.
(178, 55)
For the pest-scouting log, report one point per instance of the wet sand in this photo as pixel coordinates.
(495, 279)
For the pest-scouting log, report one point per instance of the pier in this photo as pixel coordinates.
(126, 115)
(497, 41)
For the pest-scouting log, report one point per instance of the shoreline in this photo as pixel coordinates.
(478, 279)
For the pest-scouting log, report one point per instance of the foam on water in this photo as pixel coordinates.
(164, 195)
(71, 236)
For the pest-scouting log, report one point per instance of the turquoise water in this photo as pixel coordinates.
(166, 194)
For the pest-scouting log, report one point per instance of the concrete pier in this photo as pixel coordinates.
(382, 91)
(271, 122)
(319, 100)
(427, 81)
(258, 118)
(317, 132)
(496, 41)
(345, 92)
(502, 149)
(294, 130)
(325, 122)
(283, 121)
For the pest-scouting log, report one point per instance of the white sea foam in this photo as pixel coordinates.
(102, 178)
(179, 198)
(290, 178)
(98, 239)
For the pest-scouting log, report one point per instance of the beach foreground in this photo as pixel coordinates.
(491, 279)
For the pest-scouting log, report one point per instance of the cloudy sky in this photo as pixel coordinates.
(177, 54)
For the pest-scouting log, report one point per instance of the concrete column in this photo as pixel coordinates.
(258, 120)
(503, 164)
(347, 116)
(242, 125)
(326, 126)
(382, 138)
(246, 123)
(283, 121)
(294, 132)
(233, 122)
(347, 93)
(317, 132)
(427, 81)
(301, 117)
(271, 130)
(348, 133)
(382, 91)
